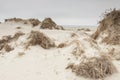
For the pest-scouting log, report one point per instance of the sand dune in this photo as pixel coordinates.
(32, 53)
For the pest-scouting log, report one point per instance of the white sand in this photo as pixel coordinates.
(44, 64)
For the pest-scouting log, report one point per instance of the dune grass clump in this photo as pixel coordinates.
(18, 27)
(17, 35)
(38, 38)
(84, 29)
(114, 53)
(114, 40)
(34, 22)
(48, 23)
(5, 39)
(7, 48)
(109, 25)
(78, 50)
(17, 20)
(62, 45)
(8, 39)
(94, 68)
(73, 35)
(14, 19)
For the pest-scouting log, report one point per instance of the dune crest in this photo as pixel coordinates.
(110, 27)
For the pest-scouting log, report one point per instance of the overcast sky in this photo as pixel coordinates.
(63, 12)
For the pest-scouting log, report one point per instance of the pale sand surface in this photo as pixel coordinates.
(45, 64)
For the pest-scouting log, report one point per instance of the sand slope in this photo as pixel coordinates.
(38, 63)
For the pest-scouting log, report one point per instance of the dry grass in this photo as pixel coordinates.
(61, 45)
(20, 54)
(18, 27)
(74, 35)
(93, 43)
(14, 19)
(114, 53)
(94, 68)
(34, 22)
(38, 38)
(84, 29)
(17, 35)
(78, 50)
(7, 39)
(17, 20)
(48, 23)
(4, 43)
(114, 40)
(1, 46)
(7, 48)
(109, 25)
(96, 34)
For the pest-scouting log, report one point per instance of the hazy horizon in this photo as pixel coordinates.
(73, 12)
